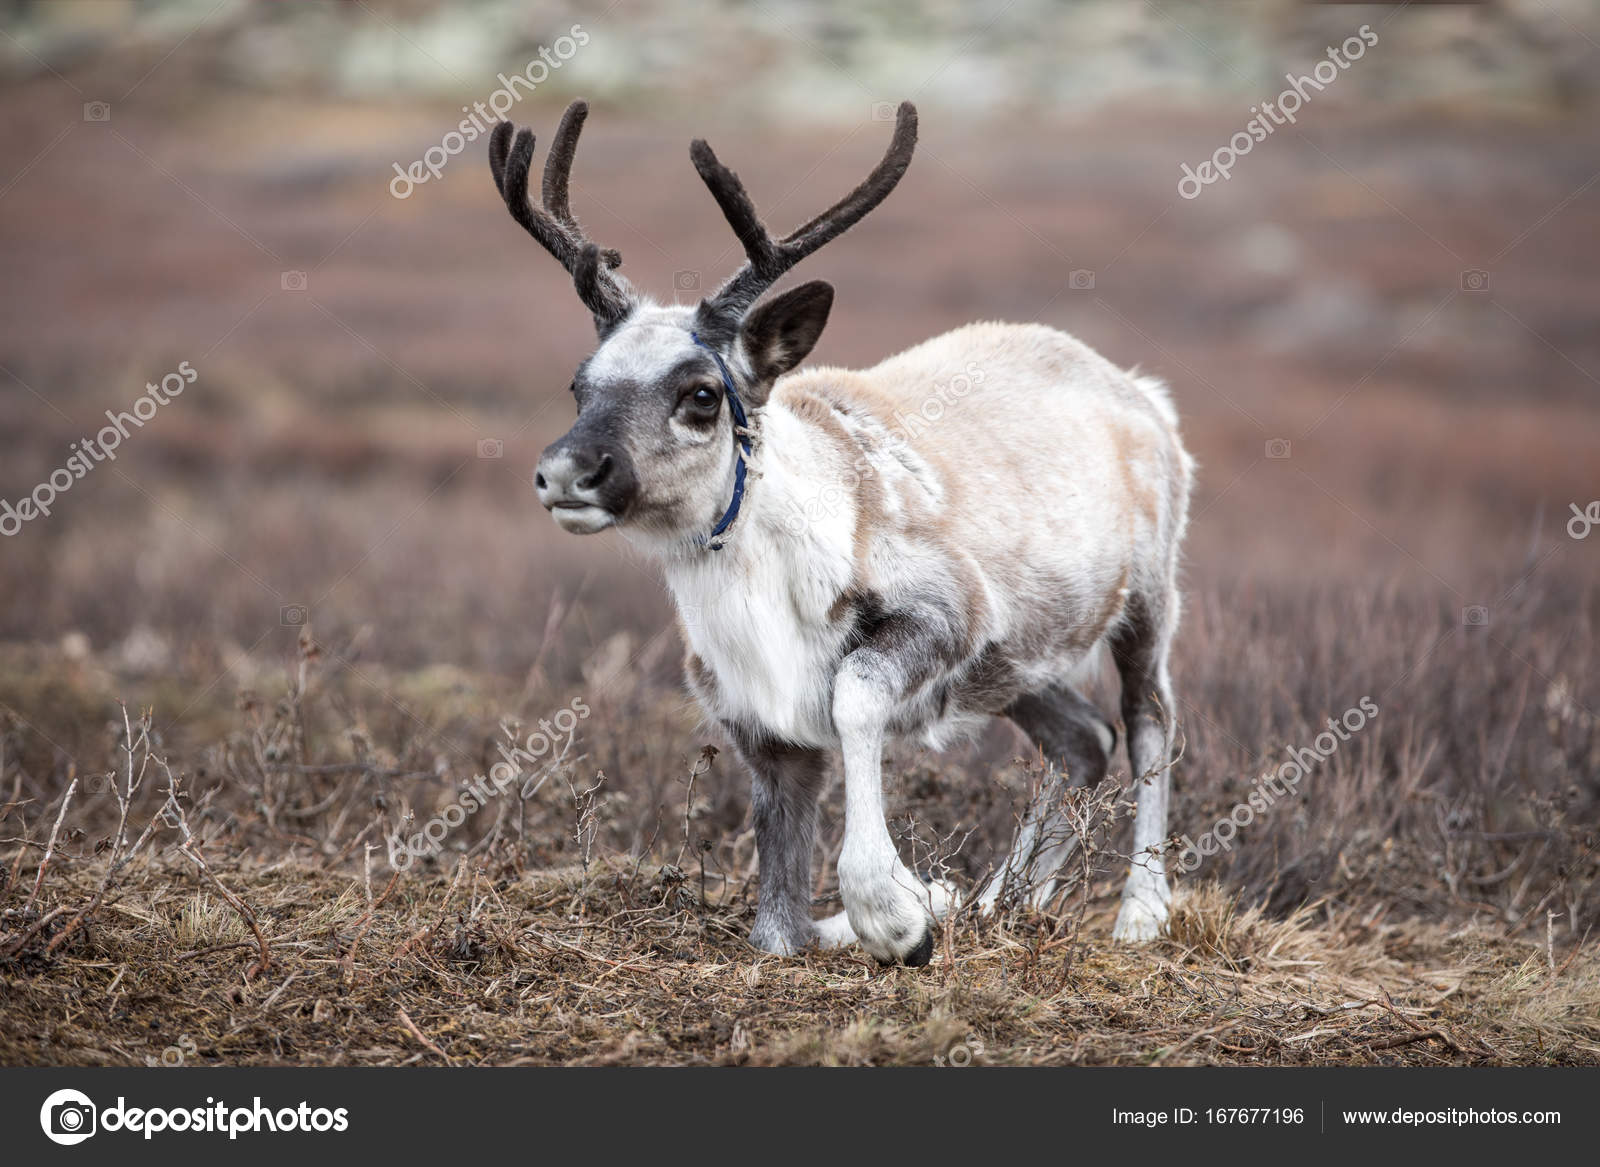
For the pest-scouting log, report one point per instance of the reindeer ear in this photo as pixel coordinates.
(781, 333)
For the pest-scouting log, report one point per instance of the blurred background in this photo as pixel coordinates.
(1379, 329)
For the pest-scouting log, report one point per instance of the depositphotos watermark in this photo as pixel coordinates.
(1270, 116)
(68, 1117)
(517, 760)
(1583, 521)
(962, 1053)
(482, 115)
(1270, 787)
(87, 453)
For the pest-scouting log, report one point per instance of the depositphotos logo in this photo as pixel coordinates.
(68, 1117)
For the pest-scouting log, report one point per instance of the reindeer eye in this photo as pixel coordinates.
(705, 398)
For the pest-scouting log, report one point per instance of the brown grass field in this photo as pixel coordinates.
(299, 611)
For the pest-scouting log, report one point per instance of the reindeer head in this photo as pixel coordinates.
(662, 423)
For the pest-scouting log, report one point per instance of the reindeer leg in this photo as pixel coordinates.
(785, 783)
(1074, 736)
(1140, 649)
(889, 908)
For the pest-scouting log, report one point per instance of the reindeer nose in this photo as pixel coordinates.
(596, 476)
(577, 475)
(570, 472)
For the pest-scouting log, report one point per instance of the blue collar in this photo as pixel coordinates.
(741, 434)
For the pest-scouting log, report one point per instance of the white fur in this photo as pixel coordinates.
(835, 931)
(658, 338)
(762, 627)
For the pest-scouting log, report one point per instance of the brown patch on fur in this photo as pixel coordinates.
(813, 410)
(844, 603)
(869, 509)
(820, 408)
(1133, 450)
(702, 681)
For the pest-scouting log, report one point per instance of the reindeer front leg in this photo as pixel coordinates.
(785, 782)
(890, 909)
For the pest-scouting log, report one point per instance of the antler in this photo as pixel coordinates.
(553, 224)
(769, 259)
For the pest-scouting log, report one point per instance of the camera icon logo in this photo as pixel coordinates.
(293, 615)
(963, 1053)
(294, 281)
(1081, 280)
(491, 448)
(1474, 279)
(1278, 448)
(68, 1117)
(883, 111)
(97, 111)
(686, 281)
(1475, 616)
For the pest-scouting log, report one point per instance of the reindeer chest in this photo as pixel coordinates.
(763, 645)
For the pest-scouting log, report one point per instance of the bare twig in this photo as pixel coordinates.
(348, 963)
(50, 847)
(191, 849)
(411, 1028)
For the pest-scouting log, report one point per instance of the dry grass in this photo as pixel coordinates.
(603, 921)
(631, 966)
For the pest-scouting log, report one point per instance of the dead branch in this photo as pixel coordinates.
(50, 847)
(191, 849)
(348, 963)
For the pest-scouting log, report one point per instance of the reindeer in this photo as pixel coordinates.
(941, 572)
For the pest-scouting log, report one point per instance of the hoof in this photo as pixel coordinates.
(1144, 908)
(775, 944)
(918, 956)
(1139, 922)
(922, 953)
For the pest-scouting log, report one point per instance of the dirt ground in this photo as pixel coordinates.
(631, 966)
(253, 922)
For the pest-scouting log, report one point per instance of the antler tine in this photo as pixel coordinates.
(768, 260)
(553, 224)
(558, 166)
(515, 189)
(735, 202)
(558, 176)
(499, 148)
(873, 190)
